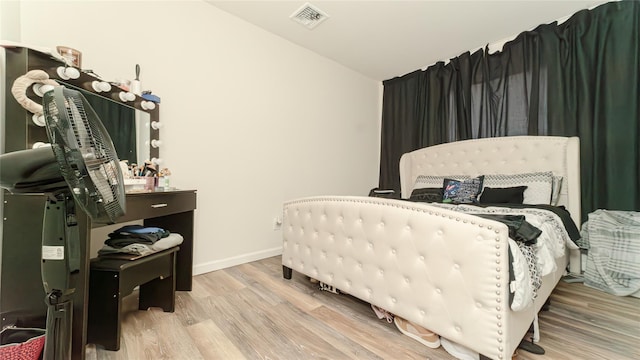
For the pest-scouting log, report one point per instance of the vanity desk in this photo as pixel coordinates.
(22, 295)
(173, 211)
(133, 123)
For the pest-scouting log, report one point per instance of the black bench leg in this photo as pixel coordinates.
(158, 293)
(105, 310)
(286, 272)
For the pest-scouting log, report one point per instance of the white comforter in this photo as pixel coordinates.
(551, 244)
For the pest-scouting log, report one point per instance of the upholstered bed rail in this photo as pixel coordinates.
(444, 270)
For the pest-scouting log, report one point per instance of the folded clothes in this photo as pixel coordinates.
(136, 249)
(143, 249)
(139, 229)
(135, 234)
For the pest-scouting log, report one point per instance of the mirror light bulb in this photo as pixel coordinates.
(38, 119)
(100, 86)
(156, 125)
(72, 72)
(40, 89)
(126, 96)
(148, 105)
(67, 73)
(156, 143)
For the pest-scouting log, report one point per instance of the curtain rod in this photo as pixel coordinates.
(498, 45)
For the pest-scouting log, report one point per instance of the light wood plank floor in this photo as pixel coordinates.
(250, 312)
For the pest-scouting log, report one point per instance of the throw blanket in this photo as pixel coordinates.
(613, 261)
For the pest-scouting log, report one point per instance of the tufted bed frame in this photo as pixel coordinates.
(441, 269)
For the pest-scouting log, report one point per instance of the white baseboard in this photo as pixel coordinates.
(236, 260)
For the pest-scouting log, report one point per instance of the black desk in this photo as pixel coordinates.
(21, 292)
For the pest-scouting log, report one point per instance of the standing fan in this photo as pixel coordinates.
(82, 169)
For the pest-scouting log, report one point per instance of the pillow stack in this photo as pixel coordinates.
(527, 188)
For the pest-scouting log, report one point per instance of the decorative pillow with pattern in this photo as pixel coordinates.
(539, 185)
(462, 191)
(435, 181)
(427, 195)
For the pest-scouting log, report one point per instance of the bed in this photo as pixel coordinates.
(445, 270)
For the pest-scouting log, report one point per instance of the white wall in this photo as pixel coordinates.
(251, 120)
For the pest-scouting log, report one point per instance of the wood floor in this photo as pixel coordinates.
(250, 312)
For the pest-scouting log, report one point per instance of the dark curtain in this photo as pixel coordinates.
(403, 103)
(579, 78)
(596, 95)
(120, 122)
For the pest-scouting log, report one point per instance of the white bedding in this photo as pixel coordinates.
(550, 245)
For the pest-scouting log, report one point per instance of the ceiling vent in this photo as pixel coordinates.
(309, 16)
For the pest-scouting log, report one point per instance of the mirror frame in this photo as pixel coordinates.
(19, 61)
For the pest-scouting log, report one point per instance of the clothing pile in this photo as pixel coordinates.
(139, 240)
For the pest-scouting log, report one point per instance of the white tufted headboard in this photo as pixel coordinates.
(501, 155)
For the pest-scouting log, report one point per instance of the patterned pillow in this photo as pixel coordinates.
(427, 195)
(435, 181)
(462, 191)
(539, 185)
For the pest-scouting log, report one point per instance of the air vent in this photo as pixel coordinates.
(309, 16)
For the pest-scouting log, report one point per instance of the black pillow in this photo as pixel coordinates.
(426, 195)
(509, 195)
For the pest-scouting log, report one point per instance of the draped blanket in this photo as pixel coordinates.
(613, 241)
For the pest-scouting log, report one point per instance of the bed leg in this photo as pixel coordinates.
(286, 272)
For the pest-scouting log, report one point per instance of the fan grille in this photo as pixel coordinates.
(87, 158)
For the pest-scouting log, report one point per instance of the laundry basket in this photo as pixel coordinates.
(21, 343)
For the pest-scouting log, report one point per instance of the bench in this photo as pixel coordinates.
(111, 279)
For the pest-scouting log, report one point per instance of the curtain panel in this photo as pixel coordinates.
(579, 78)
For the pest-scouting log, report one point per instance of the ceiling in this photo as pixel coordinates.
(385, 39)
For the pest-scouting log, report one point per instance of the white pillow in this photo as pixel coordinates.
(539, 185)
(555, 192)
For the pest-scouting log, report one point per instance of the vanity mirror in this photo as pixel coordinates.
(128, 127)
(132, 122)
